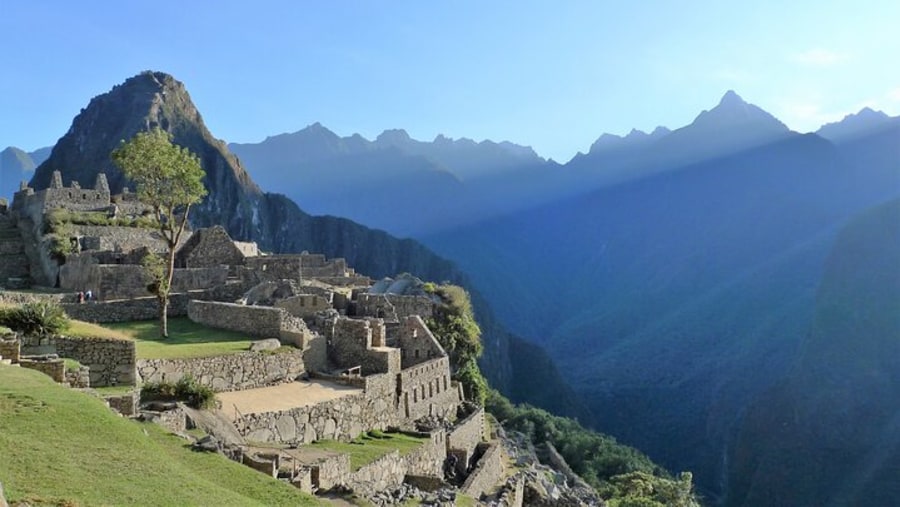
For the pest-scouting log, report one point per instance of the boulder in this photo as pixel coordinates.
(267, 344)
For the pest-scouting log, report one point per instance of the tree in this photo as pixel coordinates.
(169, 179)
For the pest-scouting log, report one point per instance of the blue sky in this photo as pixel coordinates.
(553, 75)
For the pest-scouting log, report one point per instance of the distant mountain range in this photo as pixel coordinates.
(378, 182)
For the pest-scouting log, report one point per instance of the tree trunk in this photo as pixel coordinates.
(163, 316)
(164, 293)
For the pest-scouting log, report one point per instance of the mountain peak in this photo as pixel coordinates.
(853, 125)
(393, 136)
(734, 113)
(731, 98)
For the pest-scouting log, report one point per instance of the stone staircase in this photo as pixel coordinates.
(14, 264)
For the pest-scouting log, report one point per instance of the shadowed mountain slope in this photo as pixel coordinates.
(829, 435)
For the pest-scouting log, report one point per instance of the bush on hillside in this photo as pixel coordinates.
(41, 318)
(622, 475)
(186, 389)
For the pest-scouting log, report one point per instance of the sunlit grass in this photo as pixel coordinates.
(369, 447)
(63, 447)
(186, 339)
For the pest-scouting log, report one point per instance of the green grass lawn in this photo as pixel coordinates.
(186, 339)
(63, 447)
(369, 447)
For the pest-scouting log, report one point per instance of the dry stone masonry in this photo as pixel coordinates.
(233, 372)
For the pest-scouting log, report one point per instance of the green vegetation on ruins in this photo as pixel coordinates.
(622, 475)
(187, 389)
(57, 219)
(368, 447)
(455, 328)
(64, 447)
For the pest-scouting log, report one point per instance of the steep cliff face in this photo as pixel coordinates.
(155, 99)
(830, 433)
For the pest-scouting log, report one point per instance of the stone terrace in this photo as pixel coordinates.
(282, 397)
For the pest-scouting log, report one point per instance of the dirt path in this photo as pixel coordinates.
(282, 397)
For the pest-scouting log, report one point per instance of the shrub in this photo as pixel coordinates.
(40, 318)
(186, 389)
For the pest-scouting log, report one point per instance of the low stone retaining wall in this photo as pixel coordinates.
(258, 321)
(125, 310)
(80, 378)
(487, 473)
(9, 348)
(383, 474)
(330, 471)
(111, 361)
(468, 433)
(234, 372)
(53, 368)
(125, 404)
(339, 419)
(20, 298)
(428, 459)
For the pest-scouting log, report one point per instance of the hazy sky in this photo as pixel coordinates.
(551, 74)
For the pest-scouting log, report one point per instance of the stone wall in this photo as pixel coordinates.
(416, 342)
(79, 378)
(425, 389)
(394, 306)
(120, 281)
(209, 247)
(124, 310)
(9, 348)
(339, 419)
(467, 434)
(234, 372)
(8, 297)
(428, 460)
(487, 473)
(330, 471)
(350, 344)
(111, 361)
(125, 404)
(304, 305)
(259, 321)
(53, 368)
(383, 474)
(123, 239)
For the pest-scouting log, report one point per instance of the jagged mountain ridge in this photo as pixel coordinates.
(378, 182)
(867, 121)
(457, 182)
(155, 99)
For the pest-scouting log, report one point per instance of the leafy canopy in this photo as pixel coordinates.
(167, 177)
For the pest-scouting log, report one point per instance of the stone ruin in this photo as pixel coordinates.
(363, 357)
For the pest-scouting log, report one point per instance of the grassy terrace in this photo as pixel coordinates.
(368, 447)
(63, 447)
(186, 338)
